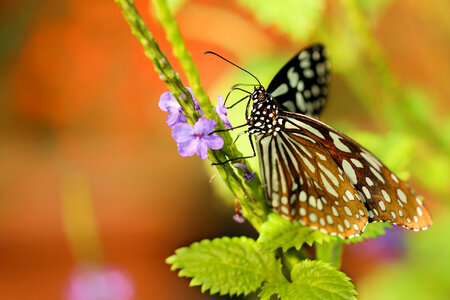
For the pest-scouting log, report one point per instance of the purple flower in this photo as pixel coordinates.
(197, 105)
(239, 218)
(222, 112)
(386, 247)
(99, 283)
(197, 138)
(167, 102)
(247, 174)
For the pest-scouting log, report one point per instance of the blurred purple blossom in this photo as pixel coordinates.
(239, 218)
(197, 138)
(386, 247)
(99, 283)
(167, 102)
(247, 174)
(221, 110)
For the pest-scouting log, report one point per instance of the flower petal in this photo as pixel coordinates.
(221, 110)
(213, 141)
(182, 132)
(202, 149)
(188, 147)
(197, 105)
(204, 126)
(174, 119)
(167, 101)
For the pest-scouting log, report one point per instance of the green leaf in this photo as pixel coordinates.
(371, 232)
(268, 290)
(314, 279)
(226, 265)
(297, 18)
(278, 232)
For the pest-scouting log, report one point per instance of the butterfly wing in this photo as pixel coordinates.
(303, 182)
(302, 84)
(386, 197)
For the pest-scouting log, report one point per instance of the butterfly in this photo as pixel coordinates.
(313, 173)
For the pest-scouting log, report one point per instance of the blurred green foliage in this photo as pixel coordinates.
(422, 275)
(296, 18)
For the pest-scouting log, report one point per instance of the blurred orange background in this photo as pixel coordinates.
(82, 138)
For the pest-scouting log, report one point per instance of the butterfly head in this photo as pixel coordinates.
(259, 94)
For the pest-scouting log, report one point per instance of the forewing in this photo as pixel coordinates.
(385, 195)
(302, 182)
(302, 84)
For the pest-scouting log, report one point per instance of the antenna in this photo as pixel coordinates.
(210, 52)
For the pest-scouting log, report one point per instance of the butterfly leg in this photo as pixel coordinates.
(236, 103)
(239, 135)
(242, 157)
(233, 88)
(228, 129)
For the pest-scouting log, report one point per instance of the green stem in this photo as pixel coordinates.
(249, 193)
(330, 252)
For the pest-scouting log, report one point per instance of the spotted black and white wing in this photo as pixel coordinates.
(303, 182)
(384, 195)
(302, 84)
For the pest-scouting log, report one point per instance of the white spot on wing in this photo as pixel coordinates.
(348, 211)
(338, 143)
(401, 195)
(366, 192)
(419, 212)
(349, 171)
(302, 211)
(349, 195)
(394, 177)
(356, 162)
(329, 174)
(312, 217)
(329, 220)
(280, 90)
(386, 196)
(378, 175)
(289, 105)
(371, 160)
(303, 55)
(303, 196)
(300, 101)
(334, 210)
(328, 186)
(308, 128)
(292, 77)
(305, 64)
(347, 224)
(275, 200)
(308, 73)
